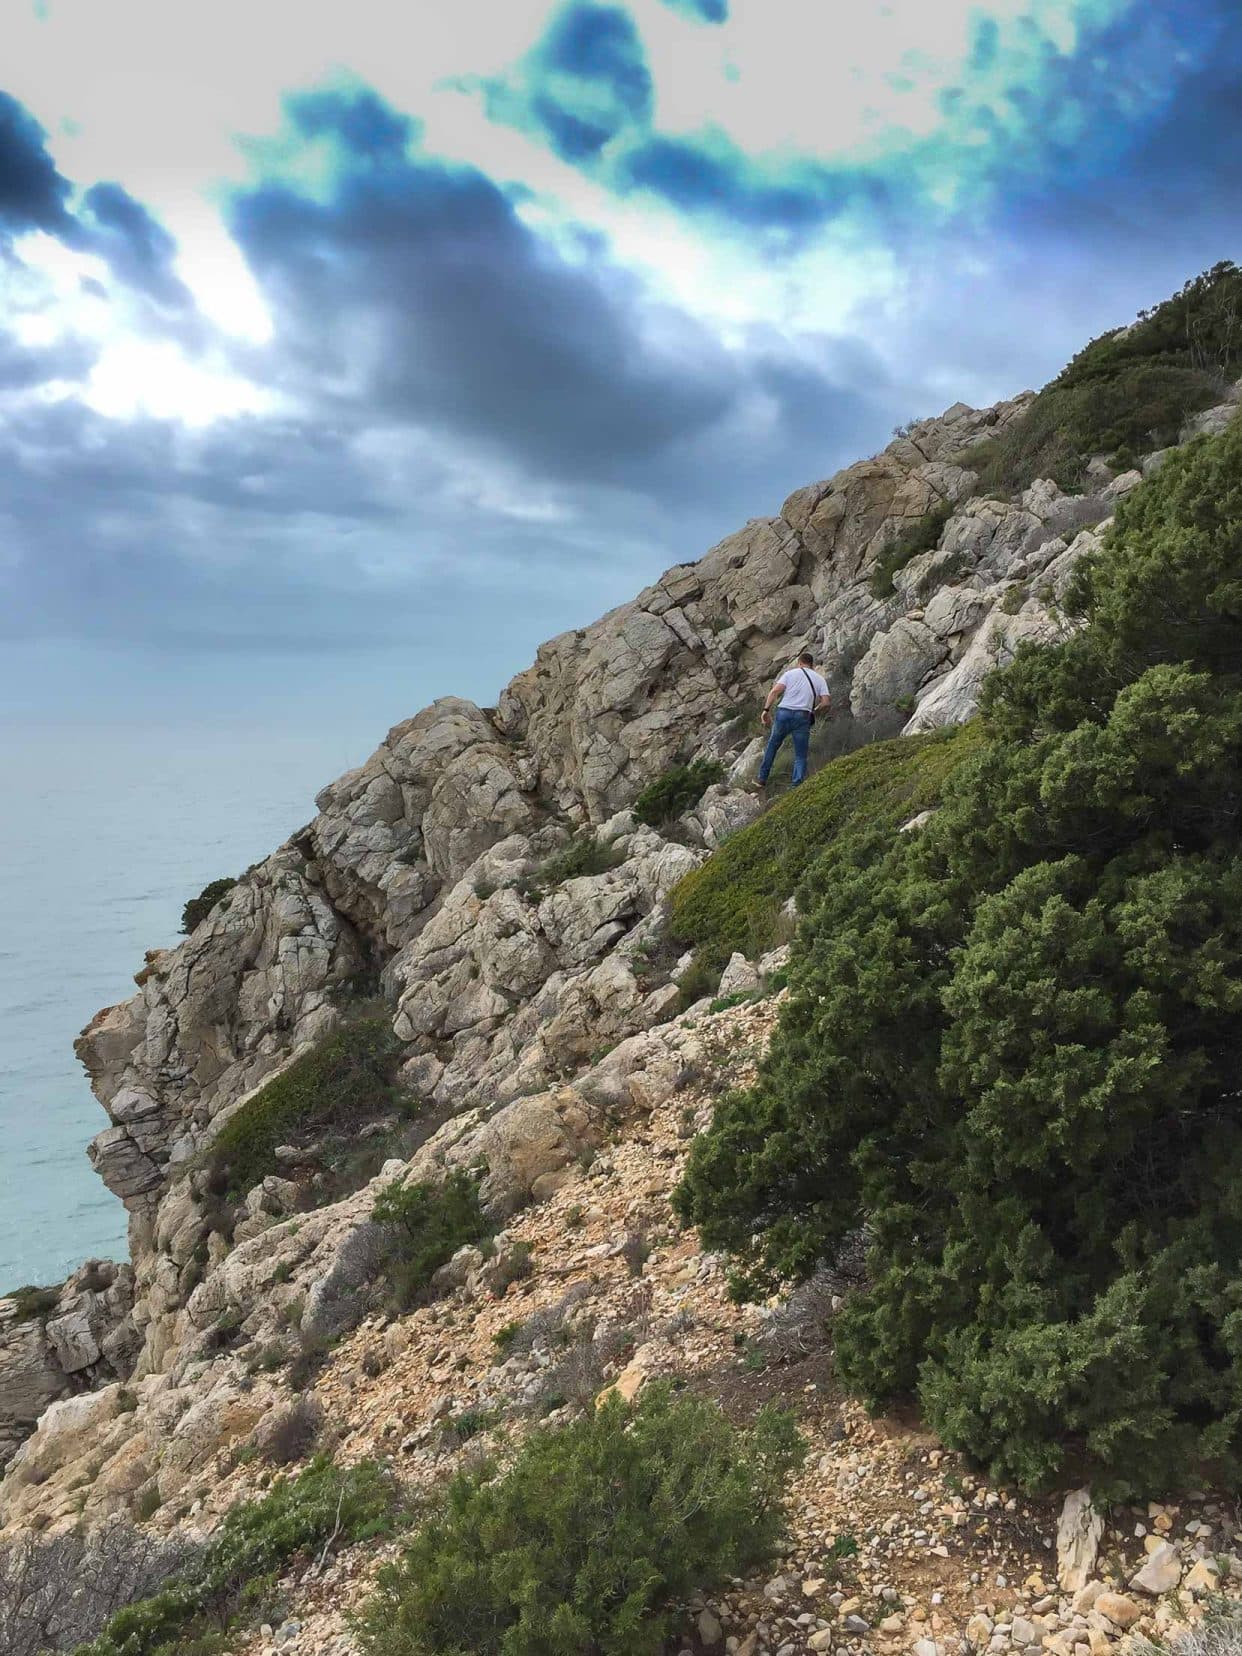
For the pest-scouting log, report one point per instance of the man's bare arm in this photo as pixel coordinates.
(774, 695)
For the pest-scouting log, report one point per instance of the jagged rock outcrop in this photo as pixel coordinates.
(57, 1343)
(213, 1018)
(423, 870)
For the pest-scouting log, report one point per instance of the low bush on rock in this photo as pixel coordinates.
(425, 1224)
(1012, 1044)
(733, 901)
(198, 908)
(699, 980)
(590, 1536)
(233, 1579)
(290, 1434)
(346, 1081)
(917, 537)
(584, 855)
(33, 1304)
(680, 787)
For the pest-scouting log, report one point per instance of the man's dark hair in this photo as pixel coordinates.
(807, 659)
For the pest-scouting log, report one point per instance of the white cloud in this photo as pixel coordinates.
(153, 377)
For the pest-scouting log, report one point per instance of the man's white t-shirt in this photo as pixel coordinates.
(803, 687)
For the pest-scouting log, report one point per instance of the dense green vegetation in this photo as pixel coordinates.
(346, 1081)
(425, 1225)
(734, 900)
(675, 791)
(1128, 392)
(233, 1581)
(917, 537)
(198, 908)
(583, 1544)
(1014, 1041)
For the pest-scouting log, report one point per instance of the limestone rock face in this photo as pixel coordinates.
(429, 874)
(214, 1017)
(83, 1336)
(522, 1147)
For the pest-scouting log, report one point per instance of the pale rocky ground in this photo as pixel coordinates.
(422, 867)
(941, 1556)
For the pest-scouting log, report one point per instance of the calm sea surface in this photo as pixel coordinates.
(103, 836)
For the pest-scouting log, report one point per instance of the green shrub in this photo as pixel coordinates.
(343, 1083)
(245, 1555)
(739, 997)
(1128, 392)
(697, 982)
(917, 537)
(426, 1224)
(198, 908)
(584, 855)
(34, 1304)
(734, 900)
(1013, 600)
(1012, 1044)
(469, 1423)
(680, 787)
(504, 1337)
(590, 1537)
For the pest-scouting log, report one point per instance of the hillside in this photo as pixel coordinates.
(498, 984)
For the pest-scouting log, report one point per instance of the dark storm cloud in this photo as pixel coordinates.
(477, 419)
(22, 367)
(32, 193)
(109, 223)
(417, 285)
(137, 248)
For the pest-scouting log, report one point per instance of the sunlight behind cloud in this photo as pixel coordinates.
(136, 376)
(555, 282)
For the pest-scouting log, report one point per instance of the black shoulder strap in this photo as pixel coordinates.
(811, 682)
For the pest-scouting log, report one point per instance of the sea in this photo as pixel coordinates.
(104, 833)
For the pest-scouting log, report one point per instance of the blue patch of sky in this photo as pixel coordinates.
(357, 118)
(582, 84)
(702, 11)
(1028, 116)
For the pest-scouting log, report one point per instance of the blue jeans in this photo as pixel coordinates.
(788, 721)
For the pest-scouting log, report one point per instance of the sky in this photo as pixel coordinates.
(347, 352)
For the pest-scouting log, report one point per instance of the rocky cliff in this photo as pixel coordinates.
(424, 873)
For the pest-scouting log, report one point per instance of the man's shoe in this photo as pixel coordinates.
(759, 788)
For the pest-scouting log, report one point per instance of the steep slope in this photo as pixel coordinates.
(437, 869)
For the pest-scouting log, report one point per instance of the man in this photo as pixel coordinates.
(802, 693)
